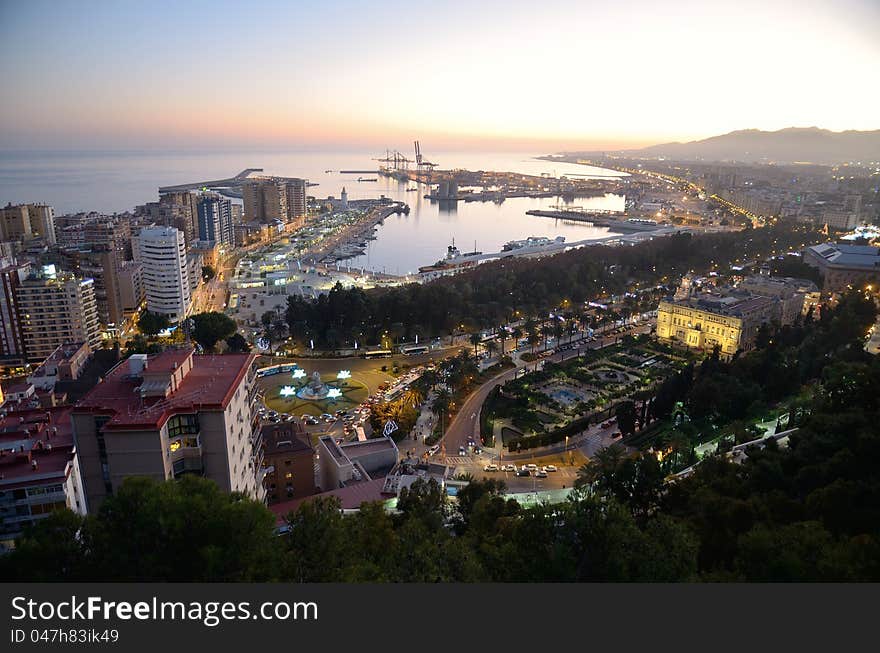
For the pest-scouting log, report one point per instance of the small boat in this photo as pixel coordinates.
(367, 179)
(328, 171)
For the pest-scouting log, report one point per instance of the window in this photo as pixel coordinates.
(183, 425)
(288, 475)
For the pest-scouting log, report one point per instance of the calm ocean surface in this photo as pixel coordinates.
(118, 181)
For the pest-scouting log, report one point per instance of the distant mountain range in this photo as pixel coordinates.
(794, 144)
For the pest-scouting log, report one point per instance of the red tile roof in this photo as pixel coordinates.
(209, 385)
(45, 434)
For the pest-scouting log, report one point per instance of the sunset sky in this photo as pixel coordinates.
(341, 74)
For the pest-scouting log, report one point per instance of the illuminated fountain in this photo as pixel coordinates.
(315, 389)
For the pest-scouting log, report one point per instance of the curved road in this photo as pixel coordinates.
(466, 423)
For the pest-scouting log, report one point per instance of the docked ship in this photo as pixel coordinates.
(454, 261)
(532, 242)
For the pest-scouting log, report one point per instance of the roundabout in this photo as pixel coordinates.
(299, 393)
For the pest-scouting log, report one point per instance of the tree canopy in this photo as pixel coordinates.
(209, 328)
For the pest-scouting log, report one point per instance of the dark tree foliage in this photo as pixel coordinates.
(151, 324)
(210, 328)
(490, 296)
(237, 344)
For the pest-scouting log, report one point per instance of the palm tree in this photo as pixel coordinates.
(602, 468)
(475, 341)
(492, 348)
(516, 334)
(502, 336)
(442, 401)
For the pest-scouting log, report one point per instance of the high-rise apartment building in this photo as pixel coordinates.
(267, 199)
(264, 200)
(56, 308)
(27, 221)
(215, 220)
(43, 221)
(161, 252)
(11, 276)
(15, 222)
(131, 287)
(178, 210)
(172, 414)
(297, 206)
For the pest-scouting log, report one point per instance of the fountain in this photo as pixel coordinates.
(314, 389)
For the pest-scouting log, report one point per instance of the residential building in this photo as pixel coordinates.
(56, 308)
(66, 363)
(171, 414)
(131, 287)
(161, 253)
(15, 222)
(289, 460)
(43, 222)
(11, 277)
(264, 200)
(215, 220)
(275, 198)
(843, 265)
(297, 202)
(176, 209)
(39, 468)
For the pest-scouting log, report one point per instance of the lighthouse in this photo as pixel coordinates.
(344, 200)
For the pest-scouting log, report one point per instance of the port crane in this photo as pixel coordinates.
(421, 164)
(395, 160)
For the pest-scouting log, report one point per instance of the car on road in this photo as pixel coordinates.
(490, 468)
(327, 417)
(532, 467)
(508, 468)
(550, 468)
(433, 449)
(523, 472)
(462, 451)
(540, 474)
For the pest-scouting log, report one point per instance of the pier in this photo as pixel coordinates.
(235, 181)
(597, 217)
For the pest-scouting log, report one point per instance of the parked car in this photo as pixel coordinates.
(508, 468)
(550, 468)
(540, 474)
(490, 468)
(523, 472)
(532, 467)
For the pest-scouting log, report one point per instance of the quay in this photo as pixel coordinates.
(595, 217)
